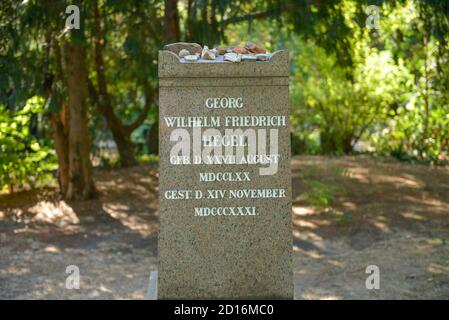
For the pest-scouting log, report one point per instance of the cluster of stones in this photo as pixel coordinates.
(192, 52)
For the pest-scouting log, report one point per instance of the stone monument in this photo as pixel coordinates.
(225, 180)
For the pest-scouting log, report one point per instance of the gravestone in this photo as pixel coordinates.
(225, 179)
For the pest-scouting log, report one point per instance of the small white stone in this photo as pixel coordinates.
(263, 56)
(205, 49)
(191, 57)
(207, 54)
(233, 57)
(250, 57)
(183, 53)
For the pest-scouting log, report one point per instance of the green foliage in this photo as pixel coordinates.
(391, 99)
(344, 109)
(149, 159)
(419, 128)
(320, 195)
(24, 160)
(344, 218)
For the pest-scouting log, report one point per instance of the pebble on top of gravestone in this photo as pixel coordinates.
(225, 180)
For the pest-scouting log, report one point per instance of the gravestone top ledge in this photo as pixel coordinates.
(170, 65)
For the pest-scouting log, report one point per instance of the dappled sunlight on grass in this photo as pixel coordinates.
(52, 249)
(412, 215)
(439, 270)
(129, 220)
(381, 223)
(399, 182)
(303, 211)
(305, 224)
(14, 271)
(348, 205)
(318, 296)
(58, 213)
(360, 174)
(307, 253)
(317, 239)
(430, 204)
(364, 175)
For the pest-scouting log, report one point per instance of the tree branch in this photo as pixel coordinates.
(273, 12)
(149, 94)
(247, 17)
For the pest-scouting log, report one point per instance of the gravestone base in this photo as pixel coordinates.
(152, 287)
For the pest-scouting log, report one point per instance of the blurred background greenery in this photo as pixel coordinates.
(366, 77)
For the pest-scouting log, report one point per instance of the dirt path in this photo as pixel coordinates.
(383, 213)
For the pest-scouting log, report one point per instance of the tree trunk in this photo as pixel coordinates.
(171, 21)
(347, 146)
(120, 132)
(327, 142)
(153, 138)
(188, 34)
(124, 145)
(59, 122)
(60, 125)
(425, 94)
(80, 185)
(335, 143)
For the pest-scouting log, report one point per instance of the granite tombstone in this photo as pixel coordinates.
(225, 181)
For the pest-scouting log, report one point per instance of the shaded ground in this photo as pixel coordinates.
(389, 214)
(385, 213)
